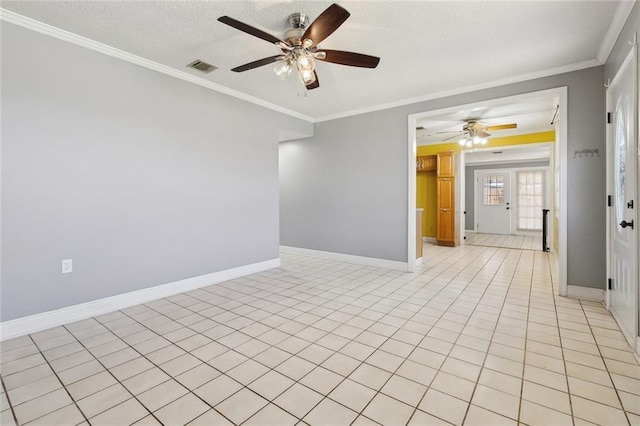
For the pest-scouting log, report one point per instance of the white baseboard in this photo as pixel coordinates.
(429, 240)
(348, 258)
(44, 320)
(585, 293)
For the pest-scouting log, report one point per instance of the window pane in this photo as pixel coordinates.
(493, 190)
(530, 200)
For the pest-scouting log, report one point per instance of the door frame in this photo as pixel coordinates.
(632, 57)
(561, 140)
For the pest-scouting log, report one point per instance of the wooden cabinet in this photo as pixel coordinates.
(445, 200)
(426, 163)
(445, 164)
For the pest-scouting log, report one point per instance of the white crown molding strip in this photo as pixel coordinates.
(347, 258)
(466, 89)
(44, 320)
(613, 32)
(40, 27)
(585, 293)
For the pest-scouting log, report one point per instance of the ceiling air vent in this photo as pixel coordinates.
(202, 66)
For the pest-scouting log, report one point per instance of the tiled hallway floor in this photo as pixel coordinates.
(523, 242)
(477, 336)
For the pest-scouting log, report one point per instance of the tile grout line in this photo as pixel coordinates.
(59, 380)
(6, 394)
(605, 364)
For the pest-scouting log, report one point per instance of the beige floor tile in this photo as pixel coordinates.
(28, 376)
(128, 412)
(444, 406)
(593, 375)
(627, 384)
(504, 365)
(147, 421)
(421, 418)
(321, 380)
(386, 410)
(41, 406)
(341, 364)
(103, 400)
(630, 402)
(295, 368)
(453, 385)
(597, 413)
(68, 415)
(272, 357)
(91, 385)
(536, 415)
(145, 380)
(404, 390)
(182, 410)
(545, 377)
(352, 395)
(34, 389)
(330, 413)
(427, 357)
(547, 397)
(477, 416)
(271, 415)
(227, 361)
(634, 420)
(80, 372)
(271, 384)
(162, 394)
(370, 376)
(211, 417)
(298, 400)
(496, 401)
(247, 372)
(197, 376)
(462, 369)
(595, 392)
(500, 381)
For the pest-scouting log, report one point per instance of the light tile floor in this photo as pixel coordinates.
(477, 336)
(523, 242)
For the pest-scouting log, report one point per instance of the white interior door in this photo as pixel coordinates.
(493, 202)
(622, 135)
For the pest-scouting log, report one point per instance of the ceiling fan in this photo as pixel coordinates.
(299, 46)
(476, 133)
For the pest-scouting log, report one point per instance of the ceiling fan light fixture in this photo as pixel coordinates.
(307, 77)
(283, 69)
(305, 63)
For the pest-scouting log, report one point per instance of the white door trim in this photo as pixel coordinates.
(561, 93)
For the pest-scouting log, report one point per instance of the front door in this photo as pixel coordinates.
(622, 101)
(493, 201)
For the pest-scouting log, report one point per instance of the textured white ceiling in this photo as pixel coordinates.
(426, 47)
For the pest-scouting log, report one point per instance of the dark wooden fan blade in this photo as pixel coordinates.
(350, 58)
(325, 24)
(258, 63)
(248, 29)
(315, 84)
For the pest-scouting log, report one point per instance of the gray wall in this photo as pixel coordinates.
(140, 178)
(345, 189)
(470, 187)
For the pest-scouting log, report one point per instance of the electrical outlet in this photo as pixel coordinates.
(67, 266)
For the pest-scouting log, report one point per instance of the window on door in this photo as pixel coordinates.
(493, 190)
(530, 199)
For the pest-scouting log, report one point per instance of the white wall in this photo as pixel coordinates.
(140, 178)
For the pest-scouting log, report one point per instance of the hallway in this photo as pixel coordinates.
(476, 336)
(505, 241)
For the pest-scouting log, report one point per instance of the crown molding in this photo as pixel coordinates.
(615, 28)
(466, 89)
(49, 30)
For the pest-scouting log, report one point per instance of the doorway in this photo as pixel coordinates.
(559, 168)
